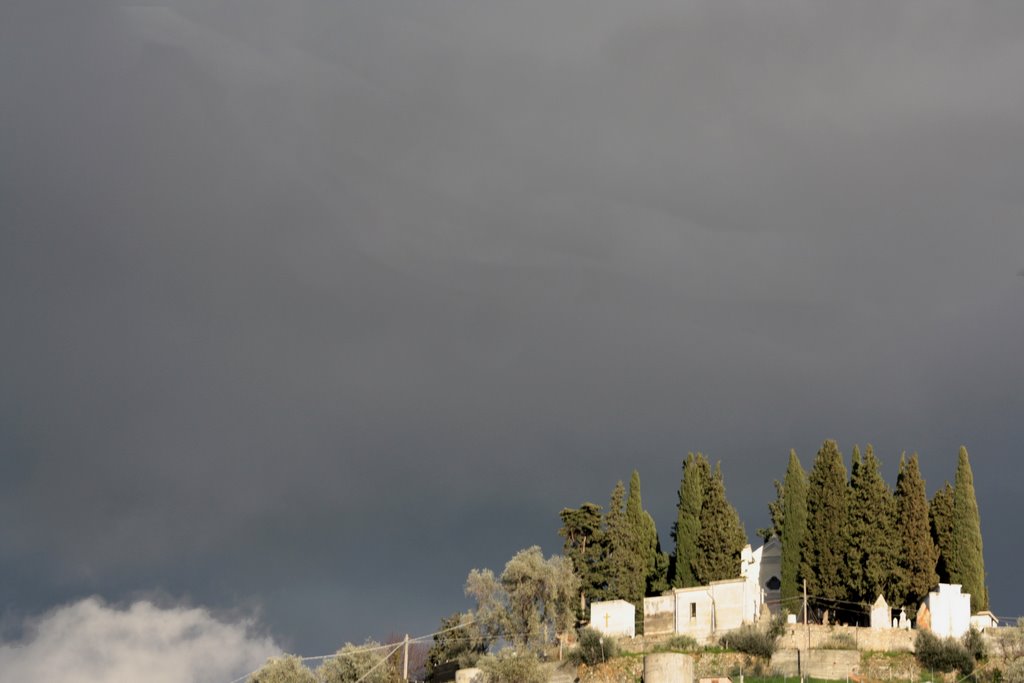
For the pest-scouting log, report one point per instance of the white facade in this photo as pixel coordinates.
(613, 618)
(983, 620)
(703, 612)
(763, 569)
(950, 610)
(881, 615)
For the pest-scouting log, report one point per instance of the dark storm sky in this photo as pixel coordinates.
(315, 305)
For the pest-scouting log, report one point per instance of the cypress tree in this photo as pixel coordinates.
(657, 579)
(721, 537)
(915, 574)
(966, 563)
(794, 518)
(776, 513)
(871, 558)
(687, 526)
(823, 552)
(643, 540)
(642, 561)
(618, 546)
(940, 517)
(855, 530)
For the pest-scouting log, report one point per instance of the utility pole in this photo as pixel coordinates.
(405, 660)
(807, 624)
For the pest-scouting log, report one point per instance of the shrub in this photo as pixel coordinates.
(975, 644)
(509, 667)
(677, 644)
(749, 640)
(593, 648)
(942, 654)
(1014, 672)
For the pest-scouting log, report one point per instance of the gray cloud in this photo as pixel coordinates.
(90, 641)
(323, 304)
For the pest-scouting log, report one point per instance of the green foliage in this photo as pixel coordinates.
(367, 663)
(635, 563)
(871, 554)
(794, 526)
(750, 640)
(721, 537)
(584, 545)
(687, 526)
(641, 540)
(677, 644)
(593, 648)
(532, 601)
(457, 641)
(1011, 648)
(619, 560)
(940, 518)
(776, 512)
(286, 669)
(916, 553)
(490, 617)
(942, 654)
(509, 667)
(975, 644)
(823, 556)
(657, 580)
(540, 595)
(966, 563)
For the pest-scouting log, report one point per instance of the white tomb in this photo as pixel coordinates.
(881, 615)
(613, 618)
(950, 610)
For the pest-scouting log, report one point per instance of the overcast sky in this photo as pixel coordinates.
(310, 306)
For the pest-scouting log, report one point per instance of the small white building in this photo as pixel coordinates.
(613, 618)
(950, 610)
(983, 620)
(703, 612)
(706, 612)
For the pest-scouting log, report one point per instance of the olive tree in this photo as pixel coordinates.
(285, 669)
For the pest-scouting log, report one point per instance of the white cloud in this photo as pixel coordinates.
(90, 641)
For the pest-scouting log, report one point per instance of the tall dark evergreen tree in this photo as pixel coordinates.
(618, 550)
(916, 554)
(794, 526)
(871, 554)
(966, 562)
(583, 534)
(776, 513)
(642, 561)
(823, 556)
(657, 580)
(643, 539)
(687, 526)
(940, 517)
(721, 537)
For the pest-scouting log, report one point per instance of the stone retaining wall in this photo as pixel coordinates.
(831, 664)
(882, 640)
